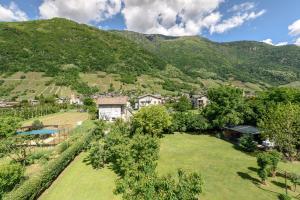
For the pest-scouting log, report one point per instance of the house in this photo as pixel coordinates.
(61, 100)
(75, 100)
(199, 101)
(147, 100)
(237, 132)
(34, 102)
(112, 108)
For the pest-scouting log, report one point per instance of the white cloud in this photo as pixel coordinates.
(12, 13)
(297, 42)
(242, 7)
(84, 11)
(184, 17)
(270, 42)
(235, 21)
(295, 28)
(170, 17)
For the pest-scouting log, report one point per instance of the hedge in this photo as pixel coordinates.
(34, 187)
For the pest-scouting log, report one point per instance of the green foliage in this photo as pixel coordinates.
(295, 179)
(33, 187)
(184, 187)
(63, 146)
(61, 48)
(151, 120)
(98, 131)
(10, 176)
(247, 143)
(199, 57)
(41, 156)
(37, 125)
(226, 108)
(184, 104)
(8, 126)
(188, 121)
(90, 106)
(282, 125)
(97, 156)
(284, 197)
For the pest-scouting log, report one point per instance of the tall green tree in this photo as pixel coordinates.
(226, 108)
(282, 125)
(152, 120)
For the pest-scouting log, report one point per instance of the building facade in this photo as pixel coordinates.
(113, 108)
(148, 100)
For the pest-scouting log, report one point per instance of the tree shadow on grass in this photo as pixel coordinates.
(279, 184)
(253, 169)
(246, 176)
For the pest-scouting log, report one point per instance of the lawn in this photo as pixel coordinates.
(80, 181)
(228, 173)
(65, 118)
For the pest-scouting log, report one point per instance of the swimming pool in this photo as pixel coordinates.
(39, 132)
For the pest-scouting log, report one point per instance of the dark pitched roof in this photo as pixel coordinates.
(245, 129)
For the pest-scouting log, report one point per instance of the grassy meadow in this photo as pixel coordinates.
(228, 173)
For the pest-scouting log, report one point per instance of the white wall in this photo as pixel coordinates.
(148, 100)
(110, 112)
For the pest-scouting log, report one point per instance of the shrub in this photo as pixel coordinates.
(42, 156)
(63, 146)
(10, 175)
(32, 188)
(96, 157)
(37, 125)
(247, 143)
(284, 197)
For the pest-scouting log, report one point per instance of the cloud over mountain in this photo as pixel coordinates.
(12, 13)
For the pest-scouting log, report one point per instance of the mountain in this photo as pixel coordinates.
(84, 59)
(247, 61)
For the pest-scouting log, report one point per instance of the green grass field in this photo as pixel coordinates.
(228, 173)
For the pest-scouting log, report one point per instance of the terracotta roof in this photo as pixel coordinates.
(112, 100)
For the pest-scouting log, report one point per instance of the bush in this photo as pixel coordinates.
(188, 121)
(63, 146)
(37, 125)
(284, 197)
(32, 188)
(10, 175)
(42, 156)
(247, 143)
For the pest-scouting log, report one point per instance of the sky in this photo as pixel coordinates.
(276, 22)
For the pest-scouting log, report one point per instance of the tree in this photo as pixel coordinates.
(184, 104)
(282, 125)
(37, 125)
(226, 108)
(263, 160)
(295, 179)
(247, 143)
(275, 158)
(17, 148)
(188, 121)
(152, 120)
(8, 126)
(10, 175)
(96, 157)
(90, 106)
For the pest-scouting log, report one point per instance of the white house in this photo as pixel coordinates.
(147, 100)
(112, 108)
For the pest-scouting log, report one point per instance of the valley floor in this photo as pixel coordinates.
(228, 173)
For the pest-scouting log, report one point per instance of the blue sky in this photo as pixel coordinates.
(218, 20)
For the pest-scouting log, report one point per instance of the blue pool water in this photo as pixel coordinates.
(39, 132)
